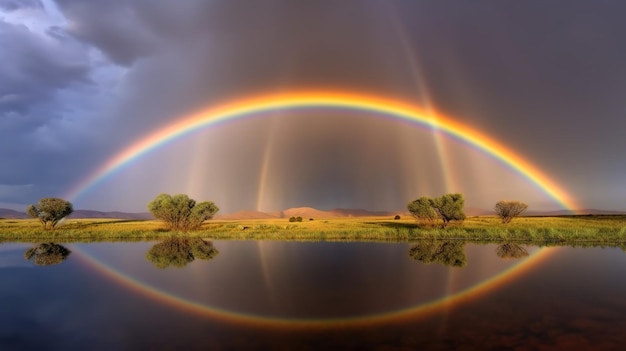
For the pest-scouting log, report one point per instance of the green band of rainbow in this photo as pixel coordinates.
(371, 104)
(385, 318)
(260, 104)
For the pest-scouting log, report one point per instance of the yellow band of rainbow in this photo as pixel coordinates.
(395, 316)
(255, 105)
(356, 102)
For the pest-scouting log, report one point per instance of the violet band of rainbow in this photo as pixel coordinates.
(254, 106)
(250, 320)
(257, 105)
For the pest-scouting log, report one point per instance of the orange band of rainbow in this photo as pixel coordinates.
(371, 104)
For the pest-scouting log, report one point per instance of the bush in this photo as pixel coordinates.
(507, 210)
(179, 212)
(449, 253)
(50, 211)
(47, 254)
(178, 252)
(448, 208)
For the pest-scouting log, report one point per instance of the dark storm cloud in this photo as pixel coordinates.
(33, 69)
(108, 25)
(204, 52)
(34, 135)
(546, 79)
(12, 5)
(548, 69)
(209, 52)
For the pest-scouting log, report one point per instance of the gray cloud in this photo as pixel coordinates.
(13, 5)
(36, 74)
(544, 79)
(111, 26)
(33, 68)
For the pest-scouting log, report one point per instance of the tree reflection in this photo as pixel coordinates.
(508, 251)
(449, 253)
(46, 254)
(178, 252)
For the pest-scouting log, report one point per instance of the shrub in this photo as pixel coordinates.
(448, 208)
(47, 254)
(507, 210)
(179, 212)
(178, 252)
(50, 211)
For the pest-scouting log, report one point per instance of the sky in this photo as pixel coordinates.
(80, 81)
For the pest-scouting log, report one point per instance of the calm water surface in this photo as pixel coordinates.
(294, 295)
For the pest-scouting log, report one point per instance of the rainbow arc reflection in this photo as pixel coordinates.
(389, 317)
(258, 105)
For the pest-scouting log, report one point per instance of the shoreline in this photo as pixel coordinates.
(601, 229)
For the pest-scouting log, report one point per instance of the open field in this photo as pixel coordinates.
(562, 229)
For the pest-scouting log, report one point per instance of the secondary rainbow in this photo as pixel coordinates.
(257, 105)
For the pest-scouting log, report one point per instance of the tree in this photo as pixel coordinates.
(508, 250)
(178, 252)
(507, 210)
(449, 253)
(179, 212)
(422, 209)
(448, 208)
(50, 211)
(47, 254)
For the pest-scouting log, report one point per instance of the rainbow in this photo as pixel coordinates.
(256, 105)
(396, 316)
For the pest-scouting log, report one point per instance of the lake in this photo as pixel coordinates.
(217, 295)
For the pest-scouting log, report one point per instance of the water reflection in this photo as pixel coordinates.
(178, 252)
(327, 295)
(46, 254)
(511, 251)
(449, 253)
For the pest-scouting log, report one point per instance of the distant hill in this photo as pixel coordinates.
(6, 213)
(580, 212)
(246, 215)
(475, 211)
(304, 212)
(12, 214)
(346, 212)
(112, 214)
(309, 212)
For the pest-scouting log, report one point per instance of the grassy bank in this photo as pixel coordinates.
(562, 229)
